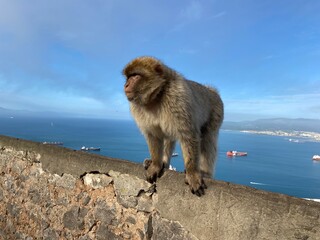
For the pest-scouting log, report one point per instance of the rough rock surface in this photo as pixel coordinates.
(36, 204)
(50, 192)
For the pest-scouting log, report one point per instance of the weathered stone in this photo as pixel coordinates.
(126, 235)
(31, 156)
(63, 198)
(50, 234)
(104, 233)
(18, 167)
(8, 182)
(67, 235)
(85, 237)
(44, 224)
(141, 234)
(3, 162)
(128, 185)
(165, 229)
(101, 203)
(9, 226)
(127, 201)
(35, 170)
(97, 181)
(2, 234)
(148, 228)
(90, 222)
(1, 195)
(84, 198)
(131, 220)
(20, 235)
(145, 203)
(13, 209)
(104, 215)
(34, 195)
(66, 181)
(37, 190)
(36, 204)
(72, 220)
(83, 212)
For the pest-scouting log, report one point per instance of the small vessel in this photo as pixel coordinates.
(316, 157)
(172, 168)
(83, 148)
(53, 143)
(175, 154)
(236, 154)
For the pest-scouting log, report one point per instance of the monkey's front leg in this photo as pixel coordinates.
(154, 169)
(193, 178)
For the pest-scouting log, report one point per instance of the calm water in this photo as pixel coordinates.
(273, 163)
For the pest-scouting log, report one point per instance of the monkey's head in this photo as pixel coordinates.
(146, 78)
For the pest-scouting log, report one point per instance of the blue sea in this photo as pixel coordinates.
(273, 163)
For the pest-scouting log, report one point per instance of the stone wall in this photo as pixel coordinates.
(49, 192)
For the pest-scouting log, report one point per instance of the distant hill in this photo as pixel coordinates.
(11, 113)
(284, 124)
(4, 112)
(7, 113)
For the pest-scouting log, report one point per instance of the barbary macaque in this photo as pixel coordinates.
(167, 107)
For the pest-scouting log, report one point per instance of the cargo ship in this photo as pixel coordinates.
(53, 143)
(236, 154)
(316, 158)
(89, 149)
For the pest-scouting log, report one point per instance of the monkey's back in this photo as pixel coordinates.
(206, 101)
(184, 101)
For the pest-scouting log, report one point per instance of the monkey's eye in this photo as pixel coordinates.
(133, 75)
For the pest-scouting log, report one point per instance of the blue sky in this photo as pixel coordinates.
(67, 56)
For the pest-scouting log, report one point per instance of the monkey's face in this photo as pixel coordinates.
(131, 87)
(144, 80)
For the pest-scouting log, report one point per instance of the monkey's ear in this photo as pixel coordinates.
(158, 69)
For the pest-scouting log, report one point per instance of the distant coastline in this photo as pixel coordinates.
(308, 136)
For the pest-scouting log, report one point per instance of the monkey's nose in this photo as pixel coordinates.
(126, 87)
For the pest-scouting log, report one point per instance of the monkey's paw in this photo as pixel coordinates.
(153, 172)
(196, 183)
(146, 163)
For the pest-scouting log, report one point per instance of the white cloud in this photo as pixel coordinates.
(188, 51)
(220, 14)
(268, 57)
(295, 106)
(193, 11)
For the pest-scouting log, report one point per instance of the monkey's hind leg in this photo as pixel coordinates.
(191, 150)
(208, 151)
(167, 152)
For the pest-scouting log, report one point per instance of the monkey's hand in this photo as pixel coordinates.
(196, 183)
(153, 171)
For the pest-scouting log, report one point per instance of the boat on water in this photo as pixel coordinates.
(172, 168)
(236, 154)
(316, 158)
(53, 143)
(175, 154)
(87, 149)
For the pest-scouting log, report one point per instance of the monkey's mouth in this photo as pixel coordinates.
(130, 96)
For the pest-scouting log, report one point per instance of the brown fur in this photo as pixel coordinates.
(166, 108)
